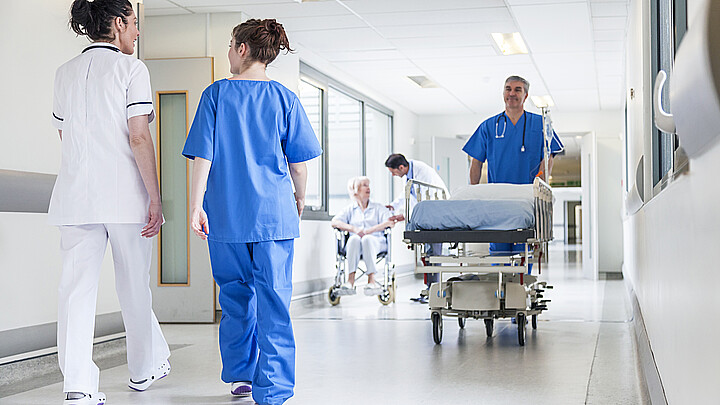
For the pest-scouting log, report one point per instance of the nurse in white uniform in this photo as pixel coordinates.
(106, 190)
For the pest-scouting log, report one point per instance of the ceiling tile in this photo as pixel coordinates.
(165, 11)
(294, 9)
(576, 100)
(609, 46)
(295, 24)
(609, 9)
(567, 71)
(442, 30)
(349, 56)
(353, 39)
(401, 6)
(609, 23)
(449, 17)
(609, 35)
(555, 27)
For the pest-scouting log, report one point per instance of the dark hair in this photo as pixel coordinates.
(265, 38)
(95, 18)
(396, 160)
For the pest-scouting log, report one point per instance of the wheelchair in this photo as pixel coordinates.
(385, 277)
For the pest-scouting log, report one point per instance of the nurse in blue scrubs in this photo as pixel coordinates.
(512, 144)
(249, 140)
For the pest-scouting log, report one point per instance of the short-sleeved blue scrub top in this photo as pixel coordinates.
(500, 142)
(250, 131)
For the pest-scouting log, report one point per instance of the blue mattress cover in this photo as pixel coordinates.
(476, 215)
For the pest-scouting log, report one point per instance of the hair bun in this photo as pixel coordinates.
(273, 26)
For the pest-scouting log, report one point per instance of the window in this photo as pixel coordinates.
(668, 23)
(356, 135)
(311, 98)
(344, 146)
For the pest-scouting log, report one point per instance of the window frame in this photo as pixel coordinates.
(678, 17)
(324, 83)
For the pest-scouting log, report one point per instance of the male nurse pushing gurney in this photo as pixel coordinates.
(512, 144)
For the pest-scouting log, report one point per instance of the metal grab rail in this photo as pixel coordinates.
(418, 191)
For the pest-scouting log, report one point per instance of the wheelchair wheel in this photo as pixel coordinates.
(333, 297)
(533, 321)
(386, 297)
(437, 326)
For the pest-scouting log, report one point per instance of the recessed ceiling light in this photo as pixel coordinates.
(510, 43)
(423, 81)
(542, 101)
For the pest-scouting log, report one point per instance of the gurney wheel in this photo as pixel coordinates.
(461, 322)
(533, 321)
(332, 296)
(387, 297)
(521, 328)
(437, 325)
(489, 323)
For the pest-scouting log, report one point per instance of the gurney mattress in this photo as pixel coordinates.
(476, 215)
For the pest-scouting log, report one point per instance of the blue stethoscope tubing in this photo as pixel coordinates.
(502, 135)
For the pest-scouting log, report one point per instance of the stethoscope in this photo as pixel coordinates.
(502, 135)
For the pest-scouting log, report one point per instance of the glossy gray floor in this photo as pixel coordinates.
(361, 352)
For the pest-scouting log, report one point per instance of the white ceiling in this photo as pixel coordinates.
(577, 47)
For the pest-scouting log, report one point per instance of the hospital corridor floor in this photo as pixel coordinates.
(361, 352)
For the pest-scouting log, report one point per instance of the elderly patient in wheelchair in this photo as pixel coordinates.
(366, 222)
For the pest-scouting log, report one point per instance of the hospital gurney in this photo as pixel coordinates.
(484, 286)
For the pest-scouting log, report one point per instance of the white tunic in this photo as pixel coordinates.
(95, 94)
(419, 171)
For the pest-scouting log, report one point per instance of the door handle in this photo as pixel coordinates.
(663, 120)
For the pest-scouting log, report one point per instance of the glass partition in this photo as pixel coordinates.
(378, 128)
(311, 100)
(173, 239)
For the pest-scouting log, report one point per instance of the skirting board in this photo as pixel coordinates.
(646, 357)
(30, 339)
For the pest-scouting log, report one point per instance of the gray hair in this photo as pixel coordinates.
(353, 184)
(526, 84)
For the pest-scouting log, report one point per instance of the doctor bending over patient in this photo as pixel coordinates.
(365, 220)
(106, 190)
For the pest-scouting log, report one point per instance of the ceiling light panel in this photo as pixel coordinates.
(510, 43)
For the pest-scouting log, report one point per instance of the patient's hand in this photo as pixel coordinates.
(361, 232)
(396, 218)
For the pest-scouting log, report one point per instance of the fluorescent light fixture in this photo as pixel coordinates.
(510, 43)
(423, 81)
(542, 101)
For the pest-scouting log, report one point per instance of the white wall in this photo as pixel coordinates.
(669, 247)
(209, 35)
(29, 248)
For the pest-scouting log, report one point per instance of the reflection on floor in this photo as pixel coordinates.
(361, 352)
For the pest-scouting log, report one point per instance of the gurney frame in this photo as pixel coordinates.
(484, 286)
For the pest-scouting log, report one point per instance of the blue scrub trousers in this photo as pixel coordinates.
(256, 336)
(508, 249)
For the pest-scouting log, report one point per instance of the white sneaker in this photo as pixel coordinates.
(348, 288)
(373, 289)
(145, 383)
(241, 388)
(75, 398)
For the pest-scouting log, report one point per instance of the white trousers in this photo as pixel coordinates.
(83, 249)
(368, 246)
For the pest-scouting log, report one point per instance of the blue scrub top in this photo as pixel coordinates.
(250, 131)
(506, 162)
